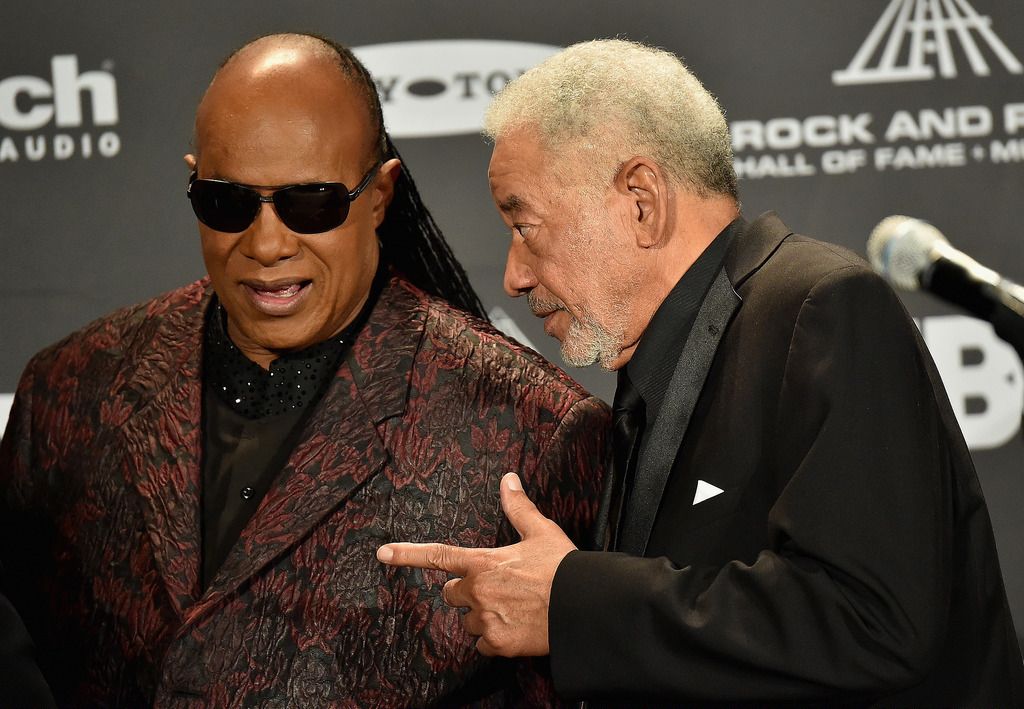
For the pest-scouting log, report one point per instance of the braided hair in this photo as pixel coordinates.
(411, 241)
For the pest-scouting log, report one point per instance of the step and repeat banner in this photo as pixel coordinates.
(842, 114)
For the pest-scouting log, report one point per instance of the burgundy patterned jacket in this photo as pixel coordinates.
(100, 511)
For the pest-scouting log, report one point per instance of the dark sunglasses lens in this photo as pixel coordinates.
(223, 206)
(312, 209)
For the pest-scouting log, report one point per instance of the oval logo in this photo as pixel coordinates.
(442, 87)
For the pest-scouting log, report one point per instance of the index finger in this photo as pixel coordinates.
(456, 560)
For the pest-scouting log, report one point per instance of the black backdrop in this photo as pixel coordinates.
(842, 112)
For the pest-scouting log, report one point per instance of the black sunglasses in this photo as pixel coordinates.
(307, 209)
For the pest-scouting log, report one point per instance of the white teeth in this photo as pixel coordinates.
(287, 292)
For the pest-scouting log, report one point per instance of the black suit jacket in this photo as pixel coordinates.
(849, 556)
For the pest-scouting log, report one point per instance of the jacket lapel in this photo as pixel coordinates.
(749, 250)
(659, 449)
(340, 446)
(163, 435)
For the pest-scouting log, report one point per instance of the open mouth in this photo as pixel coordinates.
(281, 291)
(279, 297)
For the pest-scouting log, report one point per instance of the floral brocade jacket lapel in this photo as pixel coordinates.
(337, 450)
(100, 476)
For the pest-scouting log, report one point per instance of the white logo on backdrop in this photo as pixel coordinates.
(5, 409)
(912, 40)
(442, 87)
(932, 28)
(983, 375)
(31, 103)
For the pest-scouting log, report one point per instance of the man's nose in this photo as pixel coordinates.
(268, 240)
(519, 276)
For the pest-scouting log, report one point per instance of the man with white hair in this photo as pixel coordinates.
(794, 515)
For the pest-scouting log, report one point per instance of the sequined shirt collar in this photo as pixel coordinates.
(293, 381)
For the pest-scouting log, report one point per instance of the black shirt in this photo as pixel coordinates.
(653, 363)
(252, 420)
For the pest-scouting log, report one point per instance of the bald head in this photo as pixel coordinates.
(286, 44)
(291, 68)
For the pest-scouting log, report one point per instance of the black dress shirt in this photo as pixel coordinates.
(252, 420)
(654, 361)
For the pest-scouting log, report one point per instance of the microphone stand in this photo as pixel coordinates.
(992, 303)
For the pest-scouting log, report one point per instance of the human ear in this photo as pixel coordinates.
(384, 188)
(641, 182)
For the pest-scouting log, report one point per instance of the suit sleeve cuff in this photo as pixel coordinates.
(590, 595)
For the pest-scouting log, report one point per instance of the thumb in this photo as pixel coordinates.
(519, 509)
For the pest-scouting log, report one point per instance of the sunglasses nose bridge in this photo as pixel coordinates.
(270, 199)
(268, 239)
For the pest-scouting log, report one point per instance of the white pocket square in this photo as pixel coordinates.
(705, 491)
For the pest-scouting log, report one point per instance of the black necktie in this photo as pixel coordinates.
(628, 418)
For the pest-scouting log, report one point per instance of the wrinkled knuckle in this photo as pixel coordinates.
(493, 559)
(491, 624)
(499, 641)
(472, 594)
(435, 556)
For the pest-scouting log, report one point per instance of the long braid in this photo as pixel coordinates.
(410, 239)
(415, 246)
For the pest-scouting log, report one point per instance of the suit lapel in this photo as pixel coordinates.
(755, 243)
(659, 449)
(163, 436)
(339, 448)
(337, 451)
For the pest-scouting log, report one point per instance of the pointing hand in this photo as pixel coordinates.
(508, 589)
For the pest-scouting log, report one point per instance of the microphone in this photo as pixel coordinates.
(912, 254)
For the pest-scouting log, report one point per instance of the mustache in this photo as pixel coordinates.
(540, 305)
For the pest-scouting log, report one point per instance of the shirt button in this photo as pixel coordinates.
(247, 493)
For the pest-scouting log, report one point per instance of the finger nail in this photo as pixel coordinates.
(385, 554)
(513, 483)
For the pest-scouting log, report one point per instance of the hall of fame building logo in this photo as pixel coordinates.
(930, 29)
(912, 40)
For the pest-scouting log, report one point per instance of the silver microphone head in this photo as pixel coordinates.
(900, 249)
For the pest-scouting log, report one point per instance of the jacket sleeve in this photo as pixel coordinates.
(853, 593)
(565, 484)
(571, 470)
(22, 682)
(16, 447)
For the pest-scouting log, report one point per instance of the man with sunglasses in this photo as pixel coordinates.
(199, 482)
